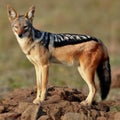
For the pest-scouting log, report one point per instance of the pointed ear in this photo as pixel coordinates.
(30, 13)
(12, 14)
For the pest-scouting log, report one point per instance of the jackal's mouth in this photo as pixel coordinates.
(20, 35)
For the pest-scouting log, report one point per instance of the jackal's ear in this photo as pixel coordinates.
(30, 13)
(12, 14)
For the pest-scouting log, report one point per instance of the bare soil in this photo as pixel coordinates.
(62, 103)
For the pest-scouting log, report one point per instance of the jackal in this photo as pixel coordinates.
(87, 53)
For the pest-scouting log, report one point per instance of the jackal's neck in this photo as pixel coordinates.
(37, 34)
(41, 36)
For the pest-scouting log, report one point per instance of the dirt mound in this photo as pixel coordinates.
(61, 104)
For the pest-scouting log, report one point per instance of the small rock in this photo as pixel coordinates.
(101, 118)
(74, 116)
(31, 112)
(22, 107)
(9, 116)
(94, 113)
(2, 108)
(117, 116)
(44, 117)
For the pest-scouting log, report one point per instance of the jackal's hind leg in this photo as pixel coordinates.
(88, 76)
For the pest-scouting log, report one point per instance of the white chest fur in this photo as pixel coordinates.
(23, 42)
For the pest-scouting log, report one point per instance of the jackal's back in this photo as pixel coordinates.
(71, 39)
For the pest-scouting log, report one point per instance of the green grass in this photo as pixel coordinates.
(67, 76)
(115, 60)
(96, 18)
(115, 108)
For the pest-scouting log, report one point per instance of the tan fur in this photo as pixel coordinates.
(86, 56)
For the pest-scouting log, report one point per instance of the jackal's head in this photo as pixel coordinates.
(21, 24)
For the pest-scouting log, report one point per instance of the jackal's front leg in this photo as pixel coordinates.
(45, 70)
(38, 81)
(42, 80)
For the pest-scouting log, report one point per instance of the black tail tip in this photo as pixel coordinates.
(103, 97)
(104, 93)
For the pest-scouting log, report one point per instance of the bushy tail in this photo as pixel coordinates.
(104, 75)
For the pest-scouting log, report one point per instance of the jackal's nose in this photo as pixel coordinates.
(20, 35)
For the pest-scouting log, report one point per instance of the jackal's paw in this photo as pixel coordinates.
(85, 103)
(37, 101)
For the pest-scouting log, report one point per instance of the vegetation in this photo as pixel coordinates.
(98, 18)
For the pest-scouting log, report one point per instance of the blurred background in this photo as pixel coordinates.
(100, 18)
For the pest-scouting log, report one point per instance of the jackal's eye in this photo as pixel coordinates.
(16, 27)
(25, 27)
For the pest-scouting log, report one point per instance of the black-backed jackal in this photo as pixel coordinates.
(87, 53)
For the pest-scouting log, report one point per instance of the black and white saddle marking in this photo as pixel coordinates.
(71, 39)
(59, 40)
